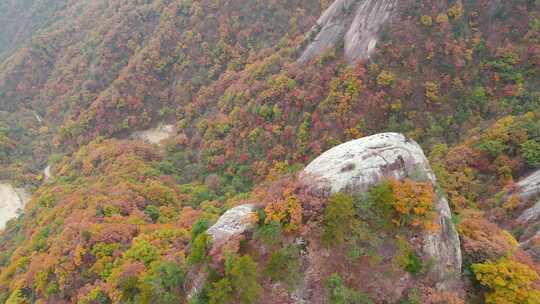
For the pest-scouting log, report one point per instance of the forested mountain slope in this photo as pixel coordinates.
(121, 220)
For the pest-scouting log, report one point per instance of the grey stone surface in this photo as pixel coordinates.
(235, 221)
(356, 23)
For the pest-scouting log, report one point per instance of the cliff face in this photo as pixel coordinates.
(357, 23)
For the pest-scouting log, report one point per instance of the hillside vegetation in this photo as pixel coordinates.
(123, 220)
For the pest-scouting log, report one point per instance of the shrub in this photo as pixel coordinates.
(413, 205)
(152, 211)
(198, 248)
(284, 266)
(239, 285)
(531, 152)
(385, 78)
(340, 294)
(432, 90)
(142, 251)
(200, 226)
(286, 211)
(269, 233)
(407, 257)
(339, 216)
(507, 281)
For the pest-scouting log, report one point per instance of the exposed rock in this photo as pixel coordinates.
(357, 23)
(355, 167)
(11, 201)
(235, 221)
(529, 187)
(156, 135)
(530, 215)
(329, 29)
(528, 191)
(47, 173)
(360, 164)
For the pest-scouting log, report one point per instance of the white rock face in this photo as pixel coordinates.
(156, 135)
(357, 23)
(11, 201)
(358, 165)
(235, 221)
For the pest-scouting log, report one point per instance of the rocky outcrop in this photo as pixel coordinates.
(11, 201)
(529, 187)
(231, 225)
(528, 191)
(233, 222)
(356, 23)
(360, 164)
(355, 167)
(156, 135)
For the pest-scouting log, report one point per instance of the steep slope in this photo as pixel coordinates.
(105, 68)
(355, 167)
(20, 20)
